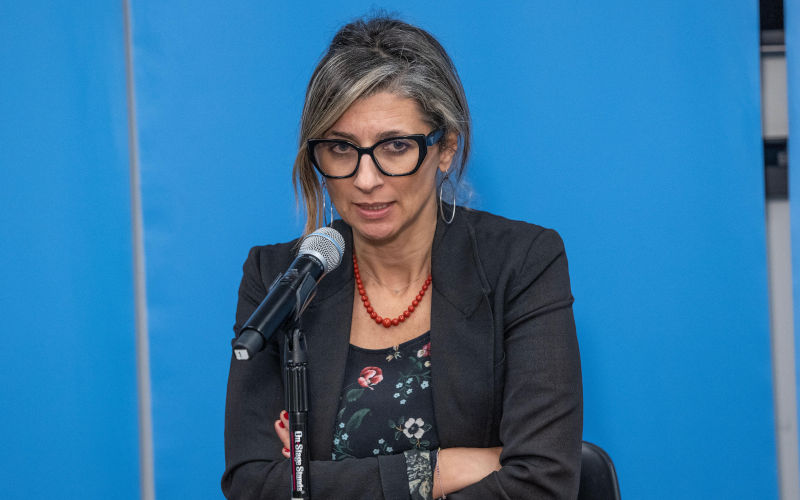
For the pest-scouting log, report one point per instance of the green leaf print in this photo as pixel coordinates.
(353, 394)
(355, 420)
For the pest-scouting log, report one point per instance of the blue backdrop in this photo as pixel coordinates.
(633, 131)
(792, 30)
(67, 362)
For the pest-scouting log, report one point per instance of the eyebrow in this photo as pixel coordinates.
(383, 135)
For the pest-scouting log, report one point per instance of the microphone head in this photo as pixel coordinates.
(326, 244)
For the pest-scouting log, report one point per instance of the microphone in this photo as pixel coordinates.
(320, 253)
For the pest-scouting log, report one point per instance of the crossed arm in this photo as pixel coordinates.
(457, 467)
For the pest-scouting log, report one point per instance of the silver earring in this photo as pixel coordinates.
(446, 178)
(324, 211)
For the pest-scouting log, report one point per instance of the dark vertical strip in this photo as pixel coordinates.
(139, 282)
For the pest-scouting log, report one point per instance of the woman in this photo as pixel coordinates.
(442, 352)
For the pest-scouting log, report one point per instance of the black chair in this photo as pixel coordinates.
(598, 476)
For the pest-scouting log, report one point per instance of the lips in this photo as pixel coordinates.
(374, 210)
(372, 206)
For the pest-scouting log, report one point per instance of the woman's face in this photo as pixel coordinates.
(381, 208)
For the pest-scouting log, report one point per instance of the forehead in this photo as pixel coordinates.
(371, 116)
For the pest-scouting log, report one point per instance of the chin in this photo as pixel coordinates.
(375, 232)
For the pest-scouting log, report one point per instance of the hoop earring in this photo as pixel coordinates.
(325, 194)
(446, 178)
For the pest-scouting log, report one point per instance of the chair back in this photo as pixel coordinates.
(598, 476)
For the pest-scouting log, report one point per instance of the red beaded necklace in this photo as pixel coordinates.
(386, 322)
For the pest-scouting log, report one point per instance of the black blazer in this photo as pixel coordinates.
(504, 359)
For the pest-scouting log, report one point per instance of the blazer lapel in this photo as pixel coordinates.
(462, 338)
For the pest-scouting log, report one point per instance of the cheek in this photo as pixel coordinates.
(419, 186)
(336, 200)
(335, 192)
(428, 177)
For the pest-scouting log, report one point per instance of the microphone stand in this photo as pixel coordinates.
(295, 360)
(296, 383)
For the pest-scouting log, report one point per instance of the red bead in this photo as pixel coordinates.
(386, 322)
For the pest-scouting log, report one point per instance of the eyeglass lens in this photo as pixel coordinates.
(396, 156)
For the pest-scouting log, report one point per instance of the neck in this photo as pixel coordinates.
(398, 263)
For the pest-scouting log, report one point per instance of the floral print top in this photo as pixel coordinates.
(386, 407)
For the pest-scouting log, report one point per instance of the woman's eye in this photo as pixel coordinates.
(397, 146)
(339, 148)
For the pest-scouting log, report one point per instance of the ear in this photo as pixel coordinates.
(449, 146)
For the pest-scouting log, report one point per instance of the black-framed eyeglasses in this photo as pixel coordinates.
(394, 156)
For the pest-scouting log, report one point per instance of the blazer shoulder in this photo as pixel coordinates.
(495, 233)
(511, 246)
(265, 261)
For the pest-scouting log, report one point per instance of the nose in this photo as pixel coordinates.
(368, 177)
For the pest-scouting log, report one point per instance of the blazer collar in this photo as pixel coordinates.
(456, 268)
(454, 254)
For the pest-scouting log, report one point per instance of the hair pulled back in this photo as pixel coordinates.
(373, 55)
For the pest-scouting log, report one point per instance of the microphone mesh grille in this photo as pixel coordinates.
(327, 243)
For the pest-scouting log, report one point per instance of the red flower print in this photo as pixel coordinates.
(370, 376)
(425, 351)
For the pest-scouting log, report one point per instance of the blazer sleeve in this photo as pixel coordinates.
(542, 409)
(254, 465)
